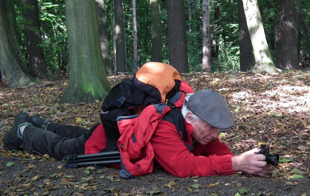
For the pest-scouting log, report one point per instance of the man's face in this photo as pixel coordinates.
(203, 132)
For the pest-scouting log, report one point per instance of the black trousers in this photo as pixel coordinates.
(57, 141)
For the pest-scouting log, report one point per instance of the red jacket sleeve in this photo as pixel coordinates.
(172, 154)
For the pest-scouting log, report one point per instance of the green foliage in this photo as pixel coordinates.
(53, 31)
(224, 30)
(20, 26)
(52, 16)
(305, 33)
(228, 58)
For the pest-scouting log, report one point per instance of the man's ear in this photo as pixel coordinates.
(188, 118)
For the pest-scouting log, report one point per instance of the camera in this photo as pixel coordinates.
(270, 159)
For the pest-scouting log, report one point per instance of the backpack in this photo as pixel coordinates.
(154, 83)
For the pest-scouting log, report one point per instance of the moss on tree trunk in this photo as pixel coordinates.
(88, 80)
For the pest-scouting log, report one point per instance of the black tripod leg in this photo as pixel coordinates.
(101, 158)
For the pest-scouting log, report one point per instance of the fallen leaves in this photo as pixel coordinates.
(269, 109)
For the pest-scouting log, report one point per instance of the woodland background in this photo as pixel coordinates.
(89, 40)
(59, 59)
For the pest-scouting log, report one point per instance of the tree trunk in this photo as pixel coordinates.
(177, 35)
(134, 36)
(263, 61)
(35, 55)
(287, 34)
(13, 70)
(190, 17)
(88, 80)
(104, 43)
(206, 47)
(156, 31)
(195, 26)
(215, 40)
(119, 37)
(247, 60)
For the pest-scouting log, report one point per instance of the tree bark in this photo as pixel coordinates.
(104, 43)
(13, 70)
(156, 55)
(287, 34)
(263, 61)
(206, 47)
(215, 40)
(247, 60)
(35, 54)
(178, 56)
(190, 17)
(88, 80)
(134, 36)
(119, 37)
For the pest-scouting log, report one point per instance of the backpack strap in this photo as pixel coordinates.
(175, 116)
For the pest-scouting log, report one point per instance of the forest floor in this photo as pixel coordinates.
(269, 109)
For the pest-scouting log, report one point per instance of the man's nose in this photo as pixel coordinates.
(215, 133)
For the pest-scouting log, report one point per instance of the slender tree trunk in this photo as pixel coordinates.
(247, 60)
(215, 41)
(196, 27)
(104, 43)
(156, 31)
(263, 61)
(298, 27)
(287, 34)
(206, 47)
(177, 35)
(119, 37)
(13, 70)
(190, 17)
(135, 36)
(35, 54)
(88, 80)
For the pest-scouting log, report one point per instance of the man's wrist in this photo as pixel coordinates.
(235, 164)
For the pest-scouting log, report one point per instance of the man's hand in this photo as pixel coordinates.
(250, 163)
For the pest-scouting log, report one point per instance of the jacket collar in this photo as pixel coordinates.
(189, 129)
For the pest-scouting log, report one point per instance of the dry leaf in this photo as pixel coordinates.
(78, 120)
(212, 185)
(170, 184)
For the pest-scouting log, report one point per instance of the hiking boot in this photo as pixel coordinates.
(13, 139)
(39, 122)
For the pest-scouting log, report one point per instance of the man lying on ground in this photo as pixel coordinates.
(203, 122)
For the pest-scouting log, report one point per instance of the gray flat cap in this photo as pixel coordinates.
(211, 108)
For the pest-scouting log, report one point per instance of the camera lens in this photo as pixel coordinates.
(272, 159)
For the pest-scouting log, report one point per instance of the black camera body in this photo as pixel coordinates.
(270, 159)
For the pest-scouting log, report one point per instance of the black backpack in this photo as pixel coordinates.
(128, 98)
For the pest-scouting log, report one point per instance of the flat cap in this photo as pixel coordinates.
(211, 108)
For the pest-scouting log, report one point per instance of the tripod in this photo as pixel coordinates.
(100, 158)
